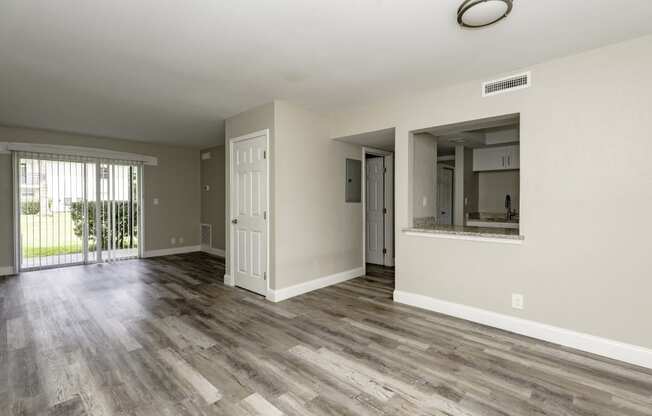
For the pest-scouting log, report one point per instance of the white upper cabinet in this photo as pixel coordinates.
(496, 158)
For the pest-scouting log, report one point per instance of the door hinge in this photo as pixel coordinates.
(264, 215)
(264, 275)
(384, 210)
(385, 170)
(384, 251)
(264, 154)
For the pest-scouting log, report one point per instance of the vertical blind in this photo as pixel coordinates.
(76, 210)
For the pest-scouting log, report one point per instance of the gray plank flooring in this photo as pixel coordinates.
(164, 336)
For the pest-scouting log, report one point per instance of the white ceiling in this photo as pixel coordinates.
(171, 70)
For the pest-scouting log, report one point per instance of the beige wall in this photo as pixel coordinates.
(586, 178)
(425, 176)
(175, 182)
(314, 233)
(251, 121)
(213, 200)
(318, 234)
(492, 188)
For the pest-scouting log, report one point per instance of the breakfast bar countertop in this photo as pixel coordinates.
(487, 232)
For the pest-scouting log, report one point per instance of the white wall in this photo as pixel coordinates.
(586, 195)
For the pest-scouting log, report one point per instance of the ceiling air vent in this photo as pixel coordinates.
(511, 83)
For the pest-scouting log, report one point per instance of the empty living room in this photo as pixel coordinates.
(306, 208)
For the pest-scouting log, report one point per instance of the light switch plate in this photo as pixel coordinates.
(155, 201)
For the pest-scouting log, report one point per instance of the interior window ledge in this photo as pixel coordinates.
(461, 233)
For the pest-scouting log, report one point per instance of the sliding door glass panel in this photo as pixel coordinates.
(75, 211)
(119, 210)
(50, 194)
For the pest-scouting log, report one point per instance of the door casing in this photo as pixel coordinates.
(388, 219)
(231, 256)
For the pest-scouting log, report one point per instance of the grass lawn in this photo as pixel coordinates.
(50, 235)
(54, 233)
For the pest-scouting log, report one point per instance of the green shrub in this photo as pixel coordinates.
(120, 217)
(30, 208)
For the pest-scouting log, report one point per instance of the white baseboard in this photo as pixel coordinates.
(6, 271)
(228, 280)
(215, 251)
(296, 290)
(171, 251)
(628, 353)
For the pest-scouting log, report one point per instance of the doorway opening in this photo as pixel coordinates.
(376, 191)
(249, 211)
(378, 206)
(445, 192)
(73, 211)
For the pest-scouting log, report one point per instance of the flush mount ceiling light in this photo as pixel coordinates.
(481, 13)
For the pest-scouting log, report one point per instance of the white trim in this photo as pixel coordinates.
(141, 212)
(171, 251)
(446, 236)
(321, 282)
(228, 280)
(16, 217)
(6, 271)
(215, 251)
(616, 350)
(56, 149)
(268, 158)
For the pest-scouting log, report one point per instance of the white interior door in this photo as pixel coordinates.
(374, 206)
(445, 195)
(249, 201)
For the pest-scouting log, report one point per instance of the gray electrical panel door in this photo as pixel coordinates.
(353, 180)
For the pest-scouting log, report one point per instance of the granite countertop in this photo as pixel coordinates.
(488, 232)
(492, 217)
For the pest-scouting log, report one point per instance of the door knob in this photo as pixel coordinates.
(234, 221)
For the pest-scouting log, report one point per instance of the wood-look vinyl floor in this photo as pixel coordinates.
(165, 337)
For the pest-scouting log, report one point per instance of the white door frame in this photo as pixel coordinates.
(269, 214)
(376, 152)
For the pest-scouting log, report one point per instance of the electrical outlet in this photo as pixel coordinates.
(173, 241)
(518, 302)
(155, 201)
(180, 240)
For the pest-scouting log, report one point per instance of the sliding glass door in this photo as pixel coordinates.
(76, 211)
